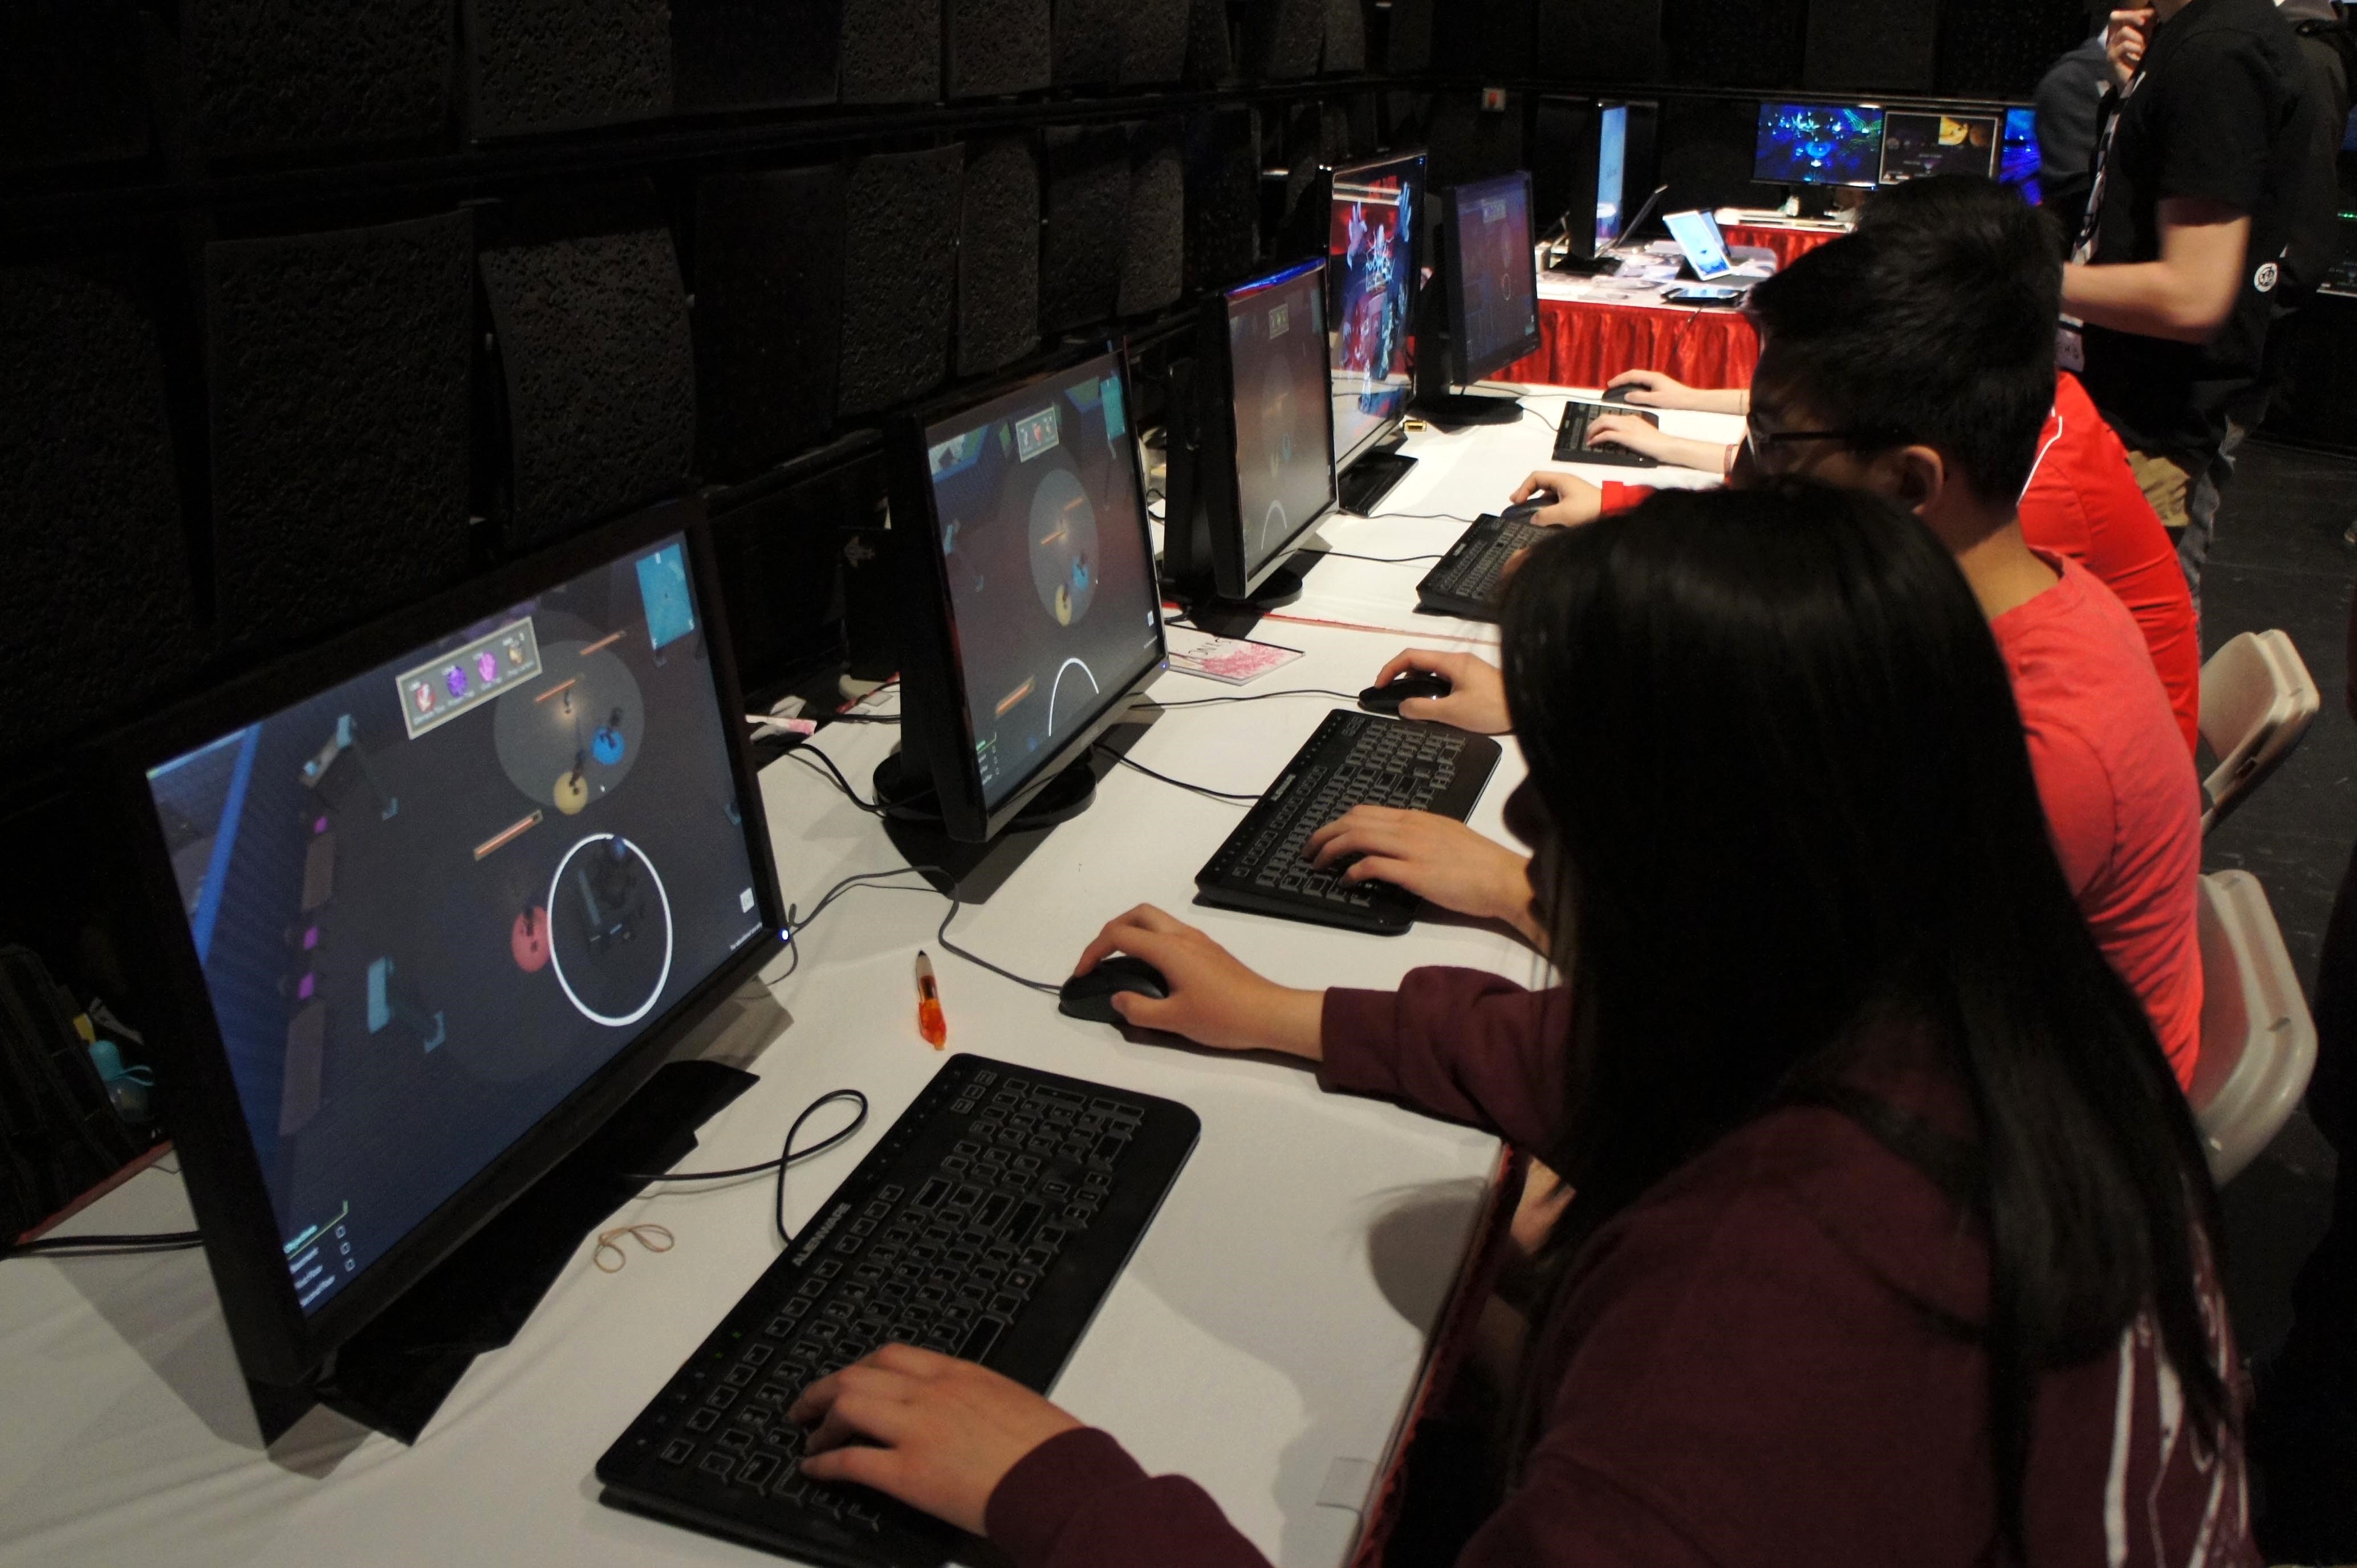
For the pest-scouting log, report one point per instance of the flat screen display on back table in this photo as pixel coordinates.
(1818, 144)
(430, 902)
(1051, 566)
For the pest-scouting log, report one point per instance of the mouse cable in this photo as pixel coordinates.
(104, 1246)
(787, 1158)
(1203, 789)
(1378, 560)
(1155, 705)
(1411, 517)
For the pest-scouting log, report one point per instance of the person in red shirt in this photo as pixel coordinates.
(1892, 1234)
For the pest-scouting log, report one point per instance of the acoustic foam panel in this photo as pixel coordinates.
(265, 74)
(1705, 152)
(1470, 143)
(998, 47)
(998, 255)
(1222, 197)
(558, 65)
(594, 341)
(339, 372)
(1407, 49)
(71, 89)
(1346, 36)
(1735, 43)
(1154, 41)
(2002, 47)
(1211, 50)
(1871, 45)
(891, 51)
(1082, 240)
(95, 605)
(768, 315)
(1599, 40)
(899, 277)
(1285, 40)
(1154, 269)
(1493, 40)
(1091, 36)
(754, 54)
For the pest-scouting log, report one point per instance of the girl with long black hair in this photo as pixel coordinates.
(1890, 1235)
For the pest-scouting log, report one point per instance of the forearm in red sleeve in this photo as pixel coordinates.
(1619, 497)
(1079, 1500)
(1455, 1043)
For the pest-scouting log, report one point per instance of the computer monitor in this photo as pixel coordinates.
(1586, 173)
(1372, 281)
(1032, 612)
(2020, 158)
(1698, 235)
(426, 904)
(1493, 269)
(1915, 146)
(1818, 144)
(1611, 178)
(1252, 455)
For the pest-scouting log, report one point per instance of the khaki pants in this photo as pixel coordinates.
(2185, 489)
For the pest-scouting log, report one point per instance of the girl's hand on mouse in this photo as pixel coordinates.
(1476, 703)
(1575, 500)
(1214, 1000)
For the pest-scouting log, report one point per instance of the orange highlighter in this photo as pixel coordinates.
(931, 1022)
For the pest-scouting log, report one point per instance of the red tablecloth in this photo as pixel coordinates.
(1790, 245)
(1587, 342)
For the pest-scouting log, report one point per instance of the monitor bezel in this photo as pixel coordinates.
(1218, 477)
(1463, 369)
(1415, 194)
(1882, 112)
(936, 725)
(1997, 138)
(277, 1344)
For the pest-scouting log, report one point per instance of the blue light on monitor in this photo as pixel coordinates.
(1611, 176)
(1818, 144)
(2019, 162)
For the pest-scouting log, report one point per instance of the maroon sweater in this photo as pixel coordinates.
(1740, 1372)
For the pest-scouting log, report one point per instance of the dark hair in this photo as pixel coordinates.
(1935, 324)
(1790, 817)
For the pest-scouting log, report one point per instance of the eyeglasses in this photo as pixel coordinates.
(1864, 437)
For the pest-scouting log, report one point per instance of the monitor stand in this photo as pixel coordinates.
(906, 793)
(1457, 411)
(1280, 588)
(1367, 481)
(1605, 265)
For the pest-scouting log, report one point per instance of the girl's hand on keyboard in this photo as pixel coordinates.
(1477, 698)
(1435, 858)
(1214, 1000)
(934, 1432)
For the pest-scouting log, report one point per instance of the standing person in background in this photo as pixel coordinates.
(2167, 301)
(2327, 48)
(2069, 113)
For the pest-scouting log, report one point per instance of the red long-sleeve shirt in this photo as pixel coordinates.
(1742, 1371)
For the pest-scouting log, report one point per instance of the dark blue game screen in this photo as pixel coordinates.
(1050, 565)
(2018, 158)
(432, 901)
(1817, 144)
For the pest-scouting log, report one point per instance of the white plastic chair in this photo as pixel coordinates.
(2258, 1043)
(2257, 701)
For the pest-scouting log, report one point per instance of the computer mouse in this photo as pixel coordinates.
(1091, 995)
(1529, 511)
(1386, 700)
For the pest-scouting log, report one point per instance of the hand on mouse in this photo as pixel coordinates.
(1478, 704)
(1575, 500)
(1214, 1000)
(1435, 858)
(1655, 388)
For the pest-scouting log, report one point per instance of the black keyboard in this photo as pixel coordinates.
(1471, 579)
(1355, 759)
(1571, 436)
(989, 1224)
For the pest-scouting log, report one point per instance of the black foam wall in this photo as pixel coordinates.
(1492, 38)
(755, 54)
(1408, 49)
(1599, 40)
(95, 606)
(554, 65)
(1735, 43)
(1153, 271)
(1211, 47)
(2002, 47)
(1870, 46)
(1346, 36)
(1081, 242)
(1705, 152)
(267, 74)
(1285, 40)
(1091, 36)
(891, 51)
(1469, 142)
(899, 276)
(998, 47)
(69, 84)
(1154, 41)
(600, 376)
(998, 255)
(1222, 197)
(768, 315)
(339, 373)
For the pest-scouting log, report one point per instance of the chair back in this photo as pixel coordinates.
(2257, 701)
(2258, 1042)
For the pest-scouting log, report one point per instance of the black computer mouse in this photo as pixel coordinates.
(1091, 995)
(1386, 700)
(1529, 511)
